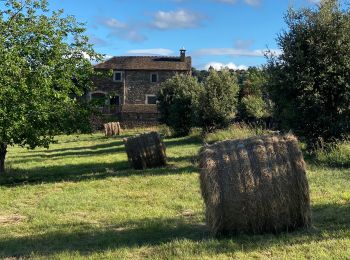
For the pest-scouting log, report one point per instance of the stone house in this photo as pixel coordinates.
(130, 93)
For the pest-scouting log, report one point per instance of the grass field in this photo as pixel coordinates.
(80, 199)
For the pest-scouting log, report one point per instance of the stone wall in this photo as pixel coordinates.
(138, 84)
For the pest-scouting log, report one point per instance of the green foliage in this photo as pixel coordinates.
(254, 107)
(218, 101)
(43, 66)
(178, 103)
(310, 80)
(254, 103)
(336, 154)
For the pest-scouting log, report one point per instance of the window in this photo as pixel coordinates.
(118, 76)
(151, 99)
(154, 77)
(114, 101)
(98, 97)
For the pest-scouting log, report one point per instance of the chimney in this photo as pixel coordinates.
(182, 54)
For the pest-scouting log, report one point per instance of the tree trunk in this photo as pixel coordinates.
(3, 151)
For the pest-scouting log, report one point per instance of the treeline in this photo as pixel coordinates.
(305, 89)
(214, 100)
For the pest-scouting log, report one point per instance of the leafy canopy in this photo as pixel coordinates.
(43, 69)
(218, 100)
(310, 80)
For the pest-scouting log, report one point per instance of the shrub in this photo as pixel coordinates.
(178, 103)
(254, 107)
(254, 103)
(218, 101)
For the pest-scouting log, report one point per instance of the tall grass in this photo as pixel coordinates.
(236, 131)
(335, 155)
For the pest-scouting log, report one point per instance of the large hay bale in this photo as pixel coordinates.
(112, 129)
(145, 151)
(254, 186)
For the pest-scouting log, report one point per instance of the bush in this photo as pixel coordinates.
(254, 107)
(218, 101)
(178, 103)
(254, 103)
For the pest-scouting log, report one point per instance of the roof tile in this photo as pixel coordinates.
(146, 63)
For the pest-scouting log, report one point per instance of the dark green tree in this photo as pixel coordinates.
(310, 80)
(218, 100)
(178, 103)
(43, 72)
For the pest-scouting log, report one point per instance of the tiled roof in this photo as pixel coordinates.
(146, 63)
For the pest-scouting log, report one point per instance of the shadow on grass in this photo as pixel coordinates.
(87, 238)
(182, 141)
(82, 172)
(37, 156)
(92, 170)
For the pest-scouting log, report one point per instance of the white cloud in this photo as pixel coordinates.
(159, 51)
(253, 2)
(220, 66)
(97, 41)
(248, 2)
(232, 52)
(123, 30)
(114, 23)
(176, 19)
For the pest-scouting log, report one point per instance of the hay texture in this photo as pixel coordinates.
(112, 129)
(145, 151)
(255, 186)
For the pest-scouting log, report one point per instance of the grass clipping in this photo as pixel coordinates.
(257, 185)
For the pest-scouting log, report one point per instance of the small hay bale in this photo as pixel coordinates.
(112, 129)
(255, 186)
(145, 151)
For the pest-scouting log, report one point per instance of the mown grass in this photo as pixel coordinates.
(80, 199)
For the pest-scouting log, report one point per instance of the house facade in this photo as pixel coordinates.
(130, 92)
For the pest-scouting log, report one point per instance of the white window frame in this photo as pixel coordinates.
(121, 76)
(154, 73)
(150, 95)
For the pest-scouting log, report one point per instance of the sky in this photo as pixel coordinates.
(233, 33)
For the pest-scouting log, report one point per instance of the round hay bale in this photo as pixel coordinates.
(145, 151)
(112, 129)
(255, 186)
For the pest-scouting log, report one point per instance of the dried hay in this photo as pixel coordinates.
(145, 151)
(12, 219)
(112, 129)
(257, 185)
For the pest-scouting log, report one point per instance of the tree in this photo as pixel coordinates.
(218, 101)
(43, 72)
(254, 103)
(178, 103)
(310, 80)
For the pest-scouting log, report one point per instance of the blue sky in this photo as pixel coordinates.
(215, 32)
